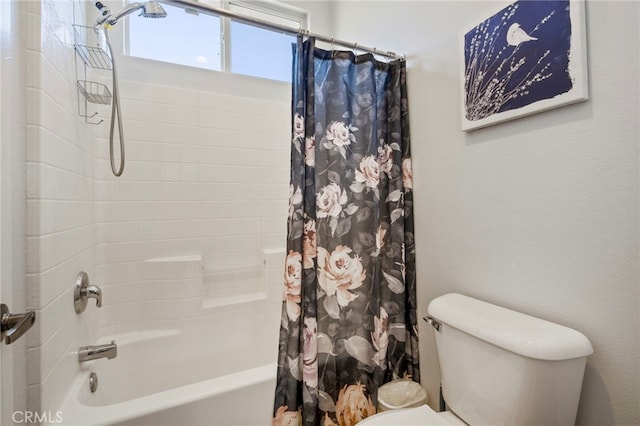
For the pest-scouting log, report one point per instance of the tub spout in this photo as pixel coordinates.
(88, 353)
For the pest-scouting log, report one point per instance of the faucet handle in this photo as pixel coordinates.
(94, 292)
(13, 326)
(83, 291)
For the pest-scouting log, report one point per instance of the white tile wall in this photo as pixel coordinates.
(206, 177)
(60, 230)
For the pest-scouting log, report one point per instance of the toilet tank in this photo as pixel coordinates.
(502, 367)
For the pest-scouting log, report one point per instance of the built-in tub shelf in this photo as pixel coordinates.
(232, 284)
(235, 268)
(189, 258)
(233, 300)
(219, 280)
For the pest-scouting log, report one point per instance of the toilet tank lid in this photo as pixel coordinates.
(514, 331)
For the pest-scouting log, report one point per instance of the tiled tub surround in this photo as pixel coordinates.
(203, 361)
(188, 239)
(202, 202)
(199, 214)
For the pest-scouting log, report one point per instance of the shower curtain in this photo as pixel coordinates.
(349, 311)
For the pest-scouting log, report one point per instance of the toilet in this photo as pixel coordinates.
(499, 367)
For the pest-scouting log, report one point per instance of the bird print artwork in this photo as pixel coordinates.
(516, 35)
(517, 57)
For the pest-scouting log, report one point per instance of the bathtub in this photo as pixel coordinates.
(156, 381)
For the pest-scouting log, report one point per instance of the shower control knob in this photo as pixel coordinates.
(83, 292)
(13, 326)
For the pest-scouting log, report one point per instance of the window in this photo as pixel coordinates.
(181, 38)
(189, 37)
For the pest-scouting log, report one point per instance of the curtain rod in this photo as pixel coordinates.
(212, 10)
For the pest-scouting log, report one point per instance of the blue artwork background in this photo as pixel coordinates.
(496, 60)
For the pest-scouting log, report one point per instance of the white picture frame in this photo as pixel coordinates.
(526, 58)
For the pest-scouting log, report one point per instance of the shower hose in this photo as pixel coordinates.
(115, 113)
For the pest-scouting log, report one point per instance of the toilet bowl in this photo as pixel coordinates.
(534, 368)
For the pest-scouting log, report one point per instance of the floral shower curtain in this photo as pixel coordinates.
(349, 311)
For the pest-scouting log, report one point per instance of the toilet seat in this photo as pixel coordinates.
(418, 416)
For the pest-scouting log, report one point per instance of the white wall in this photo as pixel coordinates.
(321, 14)
(539, 214)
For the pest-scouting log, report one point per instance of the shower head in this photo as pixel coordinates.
(150, 9)
(153, 9)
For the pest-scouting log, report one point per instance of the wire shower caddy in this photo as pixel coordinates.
(87, 45)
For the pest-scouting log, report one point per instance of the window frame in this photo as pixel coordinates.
(260, 9)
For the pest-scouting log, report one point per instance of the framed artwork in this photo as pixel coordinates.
(528, 57)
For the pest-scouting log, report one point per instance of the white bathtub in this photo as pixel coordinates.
(156, 381)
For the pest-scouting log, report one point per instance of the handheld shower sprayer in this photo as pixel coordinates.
(150, 9)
